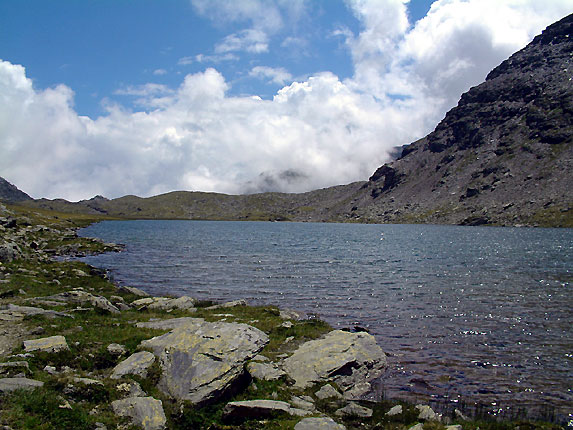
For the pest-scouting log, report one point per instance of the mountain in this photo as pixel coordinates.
(502, 156)
(10, 194)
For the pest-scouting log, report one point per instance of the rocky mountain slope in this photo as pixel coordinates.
(10, 193)
(502, 156)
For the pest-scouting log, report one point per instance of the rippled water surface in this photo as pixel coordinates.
(467, 314)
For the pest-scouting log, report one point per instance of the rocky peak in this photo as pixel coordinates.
(10, 193)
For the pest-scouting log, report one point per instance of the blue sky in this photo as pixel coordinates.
(100, 47)
(140, 97)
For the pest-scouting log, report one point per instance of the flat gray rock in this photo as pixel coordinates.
(133, 290)
(82, 297)
(201, 360)
(427, 413)
(136, 364)
(145, 412)
(354, 410)
(395, 410)
(13, 367)
(260, 409)
(351, 360)
(165, 303)
(318, 423)
(172, 323)
(46, 344)
(12, 384)
(328, 392)
(18, 312)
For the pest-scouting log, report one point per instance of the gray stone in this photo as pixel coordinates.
(265, 371)
(46, 344)
(418, 426)
(395, 410)
(327, 392)
(116, 349)
(459, 414)
(300, 403)
(454, 427)
(351, 360)
(136, 364)
(81, 297)
(260, 409)
(201, 360)
(12, 384)
(318, 423)
(287, 314)
(146, 412)
(14, 367)
(354, 410)
(19, 312)
(165, 303)
(427, 413)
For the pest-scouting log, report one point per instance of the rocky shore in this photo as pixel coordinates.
(78, 352)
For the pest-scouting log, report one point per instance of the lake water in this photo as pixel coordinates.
(467, 314)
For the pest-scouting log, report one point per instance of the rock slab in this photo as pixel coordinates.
(351, 360)
(318, 423)
(47, 344)
(12, 384)
(201, 360)
(260, 409)
(146, 412)
(136, 364)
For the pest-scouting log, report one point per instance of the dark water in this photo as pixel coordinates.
(468, 314)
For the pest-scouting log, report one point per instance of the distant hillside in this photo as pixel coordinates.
(502, 156)
(10, 194)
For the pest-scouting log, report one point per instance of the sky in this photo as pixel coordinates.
(116, 97)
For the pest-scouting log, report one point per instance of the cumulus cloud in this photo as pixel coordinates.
(277, 75)
(318, 132)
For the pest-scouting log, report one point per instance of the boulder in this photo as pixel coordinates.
(354, 410)
(116, 349)
(136, 364)
(318, 423)
(235, 411)
(12, 384)
(201, 360)
(351, 360)
(173, 323)
(395, 410)
(15, 312)
(427, 413)
(165, 303)
(418, 426)
(82, 297)
(305, 403)
(131, 389)
(145, 412)
(46, 344)
(327, 392)
(265, 371)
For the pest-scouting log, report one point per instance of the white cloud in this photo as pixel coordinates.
(314, 133)
(253, 41)
(185, 61)
(159, 72)
(277, 75)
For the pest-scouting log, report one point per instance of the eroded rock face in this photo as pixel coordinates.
(146, 412)
(201, 360)
(82, 297)
(351, 360)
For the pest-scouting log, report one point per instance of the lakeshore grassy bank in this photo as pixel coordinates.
(43, 297)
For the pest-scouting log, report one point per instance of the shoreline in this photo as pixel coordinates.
(88, 356)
